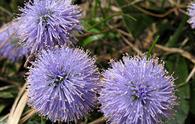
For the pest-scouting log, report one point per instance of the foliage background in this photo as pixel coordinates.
(112, 29)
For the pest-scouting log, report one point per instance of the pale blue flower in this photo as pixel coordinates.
(47, 23)
(62, 84)
(137, 91)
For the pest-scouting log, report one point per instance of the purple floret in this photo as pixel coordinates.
(62, 84)
(9, 43)
(137, 91)
(47, 23)
(191, 13)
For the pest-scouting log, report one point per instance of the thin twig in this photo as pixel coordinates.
(9, 81)
(132, 46)
(15, 118)
(5, 87)
(182, 52)
(4, 118)
(124, 33)
(191, 74)
(16, 103)
(6, 11)
(154, 14)
(28, 115)
(188, 78)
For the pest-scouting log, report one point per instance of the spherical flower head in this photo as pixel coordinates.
(137, 91)
(47, 23)
(191, 13)
(62, 84)
(9, 43)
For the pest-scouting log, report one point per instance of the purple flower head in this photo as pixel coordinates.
(137, 91)
(62, 84)
(47, 23)
(191, 13)
(9, 47)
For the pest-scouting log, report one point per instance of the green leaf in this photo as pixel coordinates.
(6, 94)
(175, 37)
(42, 120)
(92, 38)
(179, 66)
(2, 106)
(142, 21)
(192, 100)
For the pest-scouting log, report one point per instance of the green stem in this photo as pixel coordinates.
(108, 18)
(152, 47)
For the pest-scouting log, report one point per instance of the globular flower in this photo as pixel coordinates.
(137, 91)
(191, 13)
(9, 43)
(49, 23)
(62, 84)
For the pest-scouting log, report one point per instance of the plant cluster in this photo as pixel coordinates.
(64, 82)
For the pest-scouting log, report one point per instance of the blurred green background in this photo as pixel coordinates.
(114, 28)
